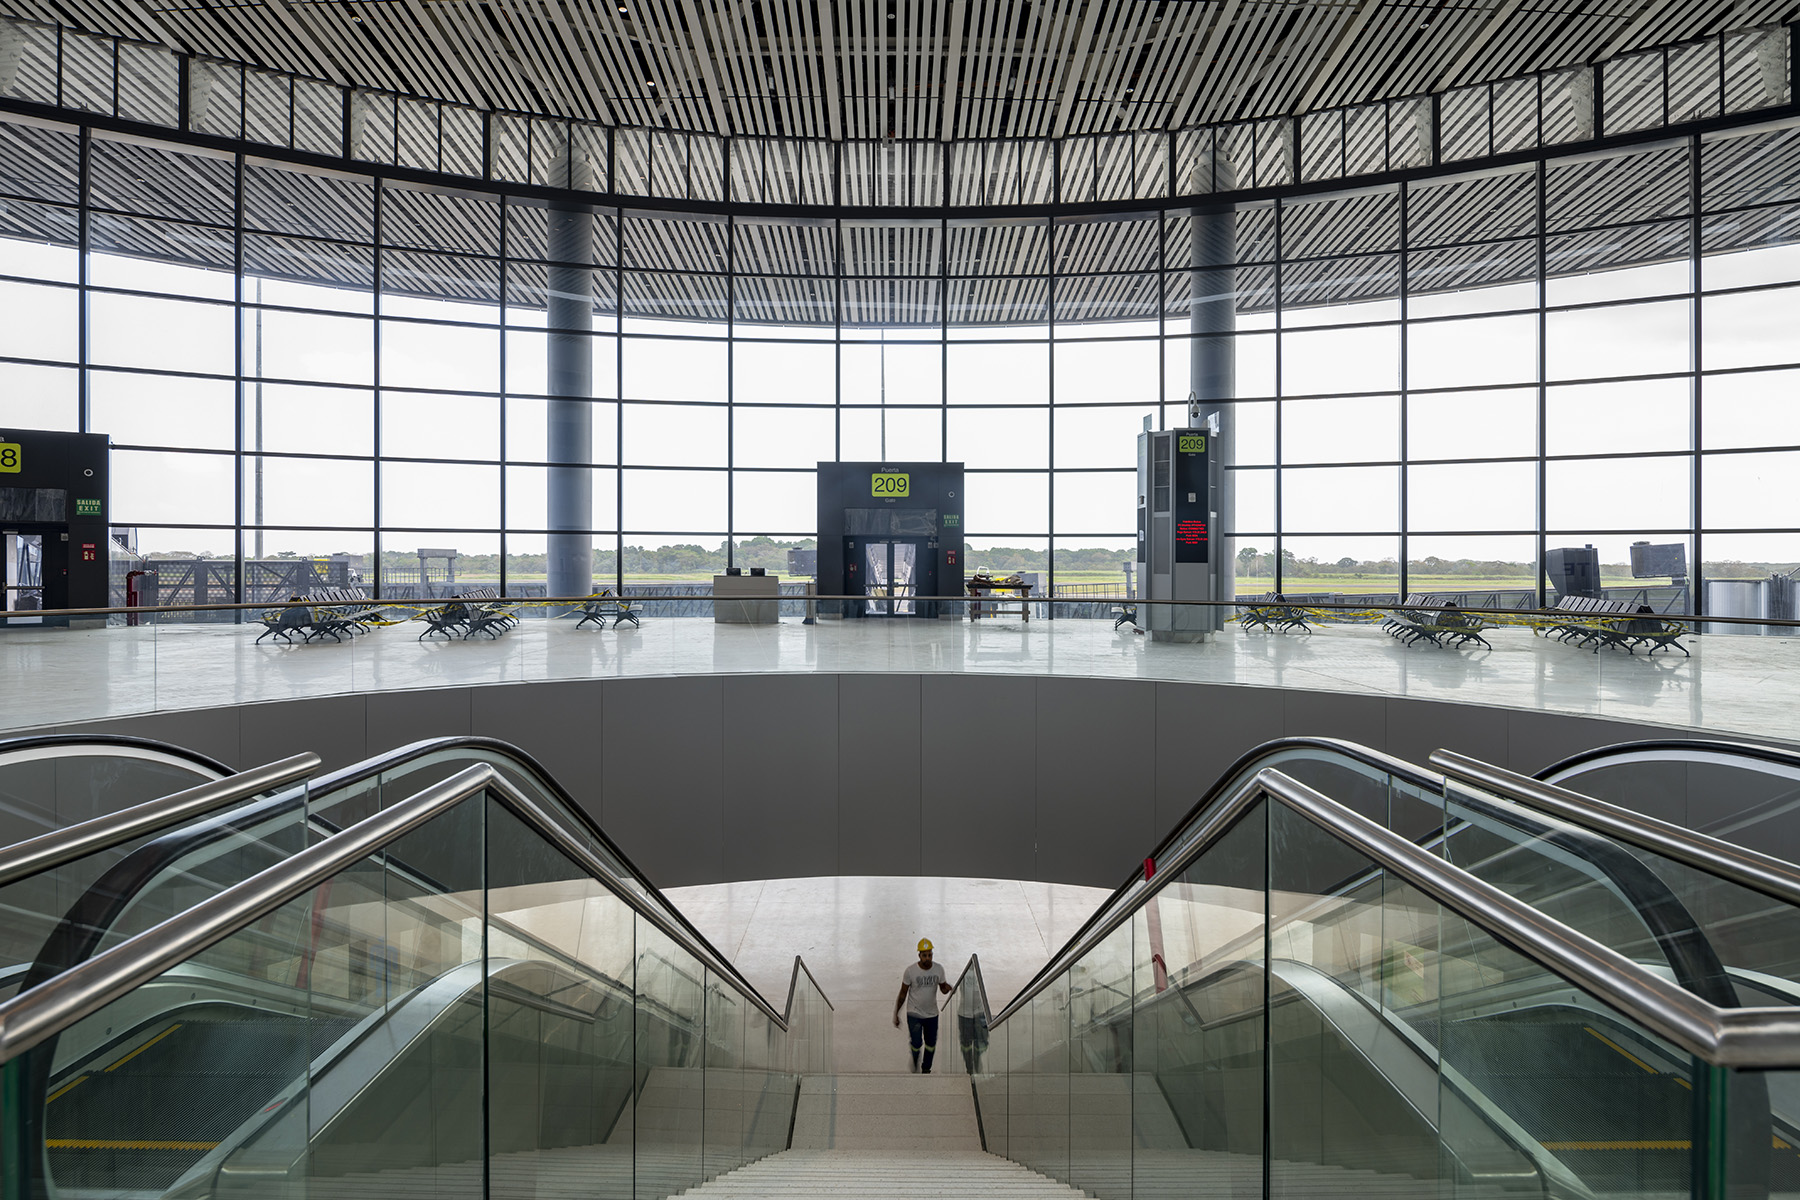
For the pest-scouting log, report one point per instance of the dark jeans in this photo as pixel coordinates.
(922, 1029)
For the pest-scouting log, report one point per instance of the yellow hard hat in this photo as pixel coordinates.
(924, 945)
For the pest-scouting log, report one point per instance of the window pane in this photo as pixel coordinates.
(1580, 267)
(477, 565)
(298, 419)
(453, 357)
(309, 346)
(37, 241)
(1363, 429)
(1096, 502)
(1006, 504)
(909, 434)
(902, 373)
(309, 492)
(1750, 329)
(764, 501)
(1497, 424)
(161, 256)
(783, 437)
(1104, 436)
(999, 374)
(675, 435)
(440, 287)
(440, 496)
(1340, 499)
(527, 432)
(1252, 433)
(1482, 496)
(155, 487)
(1619, 493)
(1476, 572)
(1331, 361)
(1752, 409)
(1751, 491)
(38, 322)
(1253, 366)
(34, 397)
(1748, 268)
(1472, 353)
(167, 335)
(670, 500)
(1353, 566)
(988, 438)
(1106, 373)
(1618, 418)
(1255, 501)
(301, 274)
(783, 373)
(433, 425)
(673, 369)
(527, 502)
(1631, 339)
(527, 357)
(163, 410)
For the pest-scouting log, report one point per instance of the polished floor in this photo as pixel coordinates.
(1730, 684)
(857, 933)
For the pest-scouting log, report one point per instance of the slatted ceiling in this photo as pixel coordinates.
(795, 249)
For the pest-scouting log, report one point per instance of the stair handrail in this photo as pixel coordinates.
(1755, 1038)
(34, 1016)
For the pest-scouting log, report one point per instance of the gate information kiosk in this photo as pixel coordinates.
(53, 522)
(891, 532)
(1177, 482)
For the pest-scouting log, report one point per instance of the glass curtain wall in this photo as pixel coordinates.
(319, 377)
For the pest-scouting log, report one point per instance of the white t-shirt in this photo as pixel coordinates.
(922, 989)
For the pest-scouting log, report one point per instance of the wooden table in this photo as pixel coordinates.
(985, 590)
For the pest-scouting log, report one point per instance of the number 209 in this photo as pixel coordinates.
(894, 485)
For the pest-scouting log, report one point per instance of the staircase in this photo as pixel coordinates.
(923, 1115)
(830, 1174)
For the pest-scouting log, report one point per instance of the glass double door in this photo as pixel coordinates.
(895, 572)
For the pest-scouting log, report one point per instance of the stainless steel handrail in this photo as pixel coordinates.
(29, 1019)
(1185, 831)
(1773, 877)
(1739, 1037)
(24, 859)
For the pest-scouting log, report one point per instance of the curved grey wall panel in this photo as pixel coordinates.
(709, 778)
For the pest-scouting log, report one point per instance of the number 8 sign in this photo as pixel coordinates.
(12, 458)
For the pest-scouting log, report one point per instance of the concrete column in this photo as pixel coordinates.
(1212, 317)
(570, 373)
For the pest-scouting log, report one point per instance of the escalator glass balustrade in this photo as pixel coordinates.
(470, 1011)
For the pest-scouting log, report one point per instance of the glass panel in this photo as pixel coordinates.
(1586, 1099)
(1630, 339)
(670, 1109)
(166, 335)
(1197, 1036)
(1344, 1095)
(1101, 1070)
(724, 1079)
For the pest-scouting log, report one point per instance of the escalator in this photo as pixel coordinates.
(73, 807)
(1291, 1017)
(1385, 983)
(477, 984)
